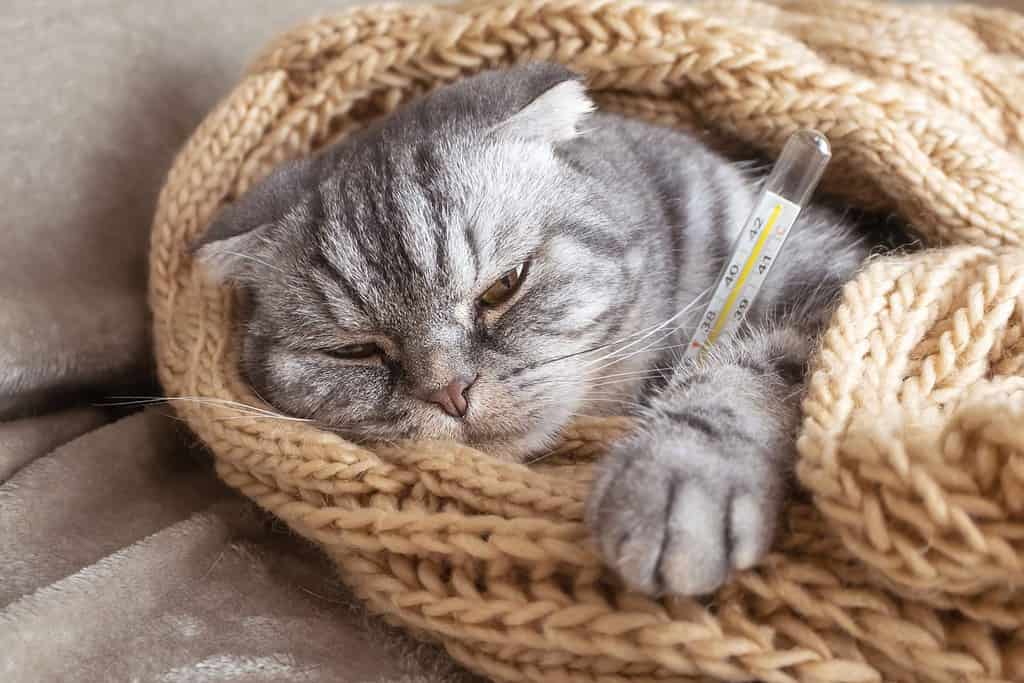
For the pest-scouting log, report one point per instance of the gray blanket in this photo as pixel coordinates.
(121, 556)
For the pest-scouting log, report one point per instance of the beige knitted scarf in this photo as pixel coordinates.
(906, 564)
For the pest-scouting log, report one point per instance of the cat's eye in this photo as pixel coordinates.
(503, 289)
(355, 351)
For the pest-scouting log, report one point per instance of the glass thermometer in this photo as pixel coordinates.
(787, 189)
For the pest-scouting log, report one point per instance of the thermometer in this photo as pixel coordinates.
(787, 189)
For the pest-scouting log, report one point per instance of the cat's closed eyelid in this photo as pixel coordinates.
(374, 361)
(357, 351)
(352, 350)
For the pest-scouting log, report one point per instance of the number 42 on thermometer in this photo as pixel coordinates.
(788, 187)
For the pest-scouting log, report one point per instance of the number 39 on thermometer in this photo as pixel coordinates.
(788, 187)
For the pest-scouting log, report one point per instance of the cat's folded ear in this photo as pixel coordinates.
(232, 244)
(558, 107)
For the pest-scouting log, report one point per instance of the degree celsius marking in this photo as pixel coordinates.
(742, 279)
(755, 251)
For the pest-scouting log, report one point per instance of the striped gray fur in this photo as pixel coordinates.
(391, 236)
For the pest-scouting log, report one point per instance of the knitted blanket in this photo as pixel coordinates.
(906, 564)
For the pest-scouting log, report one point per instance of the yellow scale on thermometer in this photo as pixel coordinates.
(786, 190)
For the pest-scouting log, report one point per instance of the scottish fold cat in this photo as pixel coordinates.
(497, 258)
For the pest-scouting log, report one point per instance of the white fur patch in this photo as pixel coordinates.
(553, 117)
(224, 259)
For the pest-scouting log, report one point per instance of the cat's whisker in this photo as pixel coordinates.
(548, 454)
(624, 353)
(534, 461)
(600, 363)
(246, 409)
(142, 400)
(623, 381)
(632, 404)
(686, 309)
(130, 401)
(603, 345)
(602, 378)
(626, 341)
(592, 349)
(633, 373)
(626, 379)
(604, 396)
(621, 401)
(643, 350)
(793, 394)
(280, 418)
(262, 262)
(259, 395)
(587, 416)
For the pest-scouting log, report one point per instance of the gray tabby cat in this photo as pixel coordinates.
(495, 259)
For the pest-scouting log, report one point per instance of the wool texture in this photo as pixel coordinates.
(904, 562)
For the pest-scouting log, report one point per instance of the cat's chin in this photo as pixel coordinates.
(518, 448)
(518, 441)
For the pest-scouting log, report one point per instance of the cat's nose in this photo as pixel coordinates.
(452, 396)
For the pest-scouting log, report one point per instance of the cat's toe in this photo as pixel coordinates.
(696, 552)
(626, 514)
(713, 530)
(752, 521)
(659, 528)
(667, 524)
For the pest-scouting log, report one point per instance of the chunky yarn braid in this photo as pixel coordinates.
(905, 563)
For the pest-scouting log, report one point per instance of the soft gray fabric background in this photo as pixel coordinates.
(121, 557)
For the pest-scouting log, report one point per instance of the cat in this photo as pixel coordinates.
(498, 257)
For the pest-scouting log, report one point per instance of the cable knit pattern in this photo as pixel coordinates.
(905, 562)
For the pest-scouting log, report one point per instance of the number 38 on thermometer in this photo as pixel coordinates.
(757, 247)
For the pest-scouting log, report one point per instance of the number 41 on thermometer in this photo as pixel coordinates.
(788, 187)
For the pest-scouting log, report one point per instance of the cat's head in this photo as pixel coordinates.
(434, 275)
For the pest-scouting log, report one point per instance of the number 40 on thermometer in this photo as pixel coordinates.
(788, 187)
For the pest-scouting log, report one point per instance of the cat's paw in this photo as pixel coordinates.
(678, 513)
